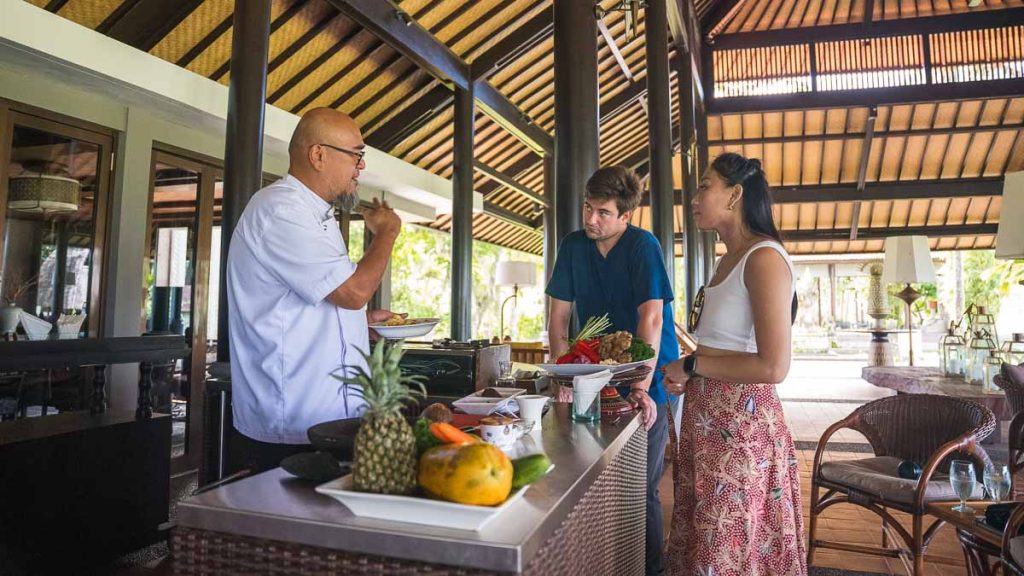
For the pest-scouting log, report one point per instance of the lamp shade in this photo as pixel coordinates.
(511, 272)
(908, 260)
(1010, 238)
(43, 193)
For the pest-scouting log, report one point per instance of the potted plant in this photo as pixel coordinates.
(13, 289)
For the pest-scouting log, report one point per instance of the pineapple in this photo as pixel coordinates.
(384, 457)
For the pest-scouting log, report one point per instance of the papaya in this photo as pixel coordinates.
(476, 473)
(529, 469)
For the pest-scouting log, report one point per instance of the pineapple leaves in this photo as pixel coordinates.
(384, 388)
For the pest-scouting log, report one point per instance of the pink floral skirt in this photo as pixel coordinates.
(737, 485)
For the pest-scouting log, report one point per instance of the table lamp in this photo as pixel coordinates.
(908, 260)
(513, 273)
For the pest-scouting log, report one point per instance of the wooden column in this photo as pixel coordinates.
(243, 150)
(550, 231)
(659, 128)
(462, 216)
(576, 120)
(708, 239)
(693, 255)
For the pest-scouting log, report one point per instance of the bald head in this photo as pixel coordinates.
(320, 126)
(325, 153)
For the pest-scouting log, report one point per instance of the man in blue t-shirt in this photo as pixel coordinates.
(614, 268)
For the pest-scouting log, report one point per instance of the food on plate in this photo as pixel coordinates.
(615, 347)
(496, 420)
(592, 346)
(384, 456)
(437, 412)
(490, 392)
(399, 321)
(477, 473)
(529, 469)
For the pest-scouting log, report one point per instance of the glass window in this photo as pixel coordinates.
(55, 187)
(421, 276)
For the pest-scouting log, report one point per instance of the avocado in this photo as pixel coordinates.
(529, 469)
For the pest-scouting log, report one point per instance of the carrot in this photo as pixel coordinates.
(449, 434)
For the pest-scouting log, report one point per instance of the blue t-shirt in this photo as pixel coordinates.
(632, 273)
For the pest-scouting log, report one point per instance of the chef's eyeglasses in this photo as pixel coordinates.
(696, 311)
(357, 154)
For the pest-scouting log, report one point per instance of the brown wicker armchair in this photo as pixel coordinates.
(925, 428)
(1015, 448)
(1013, 544)
(1014, 393)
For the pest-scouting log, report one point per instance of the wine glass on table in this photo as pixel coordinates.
(997, 481)
(962, 479)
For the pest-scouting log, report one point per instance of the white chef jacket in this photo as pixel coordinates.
(286, 255)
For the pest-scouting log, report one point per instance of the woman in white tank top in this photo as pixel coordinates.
(737, 483)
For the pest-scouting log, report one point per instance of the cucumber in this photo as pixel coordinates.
(529, 469)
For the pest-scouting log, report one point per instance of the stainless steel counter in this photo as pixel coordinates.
(275, 506)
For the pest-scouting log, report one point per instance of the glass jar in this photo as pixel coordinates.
(953, 351)
(1013, 349)
(978, 351)
(980, 319)
(993, 364)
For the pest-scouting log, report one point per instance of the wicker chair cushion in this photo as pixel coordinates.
(1015, 374)
(1017, 549)
(878, 478)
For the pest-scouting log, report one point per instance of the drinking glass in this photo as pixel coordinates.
(962, 479)
(505, 378)
(997, 481)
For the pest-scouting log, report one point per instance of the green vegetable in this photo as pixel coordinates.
(424, 439)
(640, 350)
(529, 469)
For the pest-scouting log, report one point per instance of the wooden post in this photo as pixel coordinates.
(243, 149)
(462, 216)
(576, 120)
(693, 253)
(659, 128)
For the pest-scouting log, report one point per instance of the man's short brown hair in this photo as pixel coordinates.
(616, 183)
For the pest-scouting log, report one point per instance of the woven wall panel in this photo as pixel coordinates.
(317, 46)
(355, 50)
(196, 26)
(88, 13)
(779, 14)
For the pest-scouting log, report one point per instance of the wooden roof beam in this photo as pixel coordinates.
(843, 234)
(509, 182)
(142, 24)
(609, 41)
(411, 118)
(509, 217)
(884, 134)
(862, 169)
(882, 191)
(510, 48)
(880, 29)
(389, 23)
(979, 90)
(426, 105)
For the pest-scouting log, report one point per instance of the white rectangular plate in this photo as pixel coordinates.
(584, 369)
(479, 405)
(416, 510)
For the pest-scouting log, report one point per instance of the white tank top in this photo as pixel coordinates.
(727, 321)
